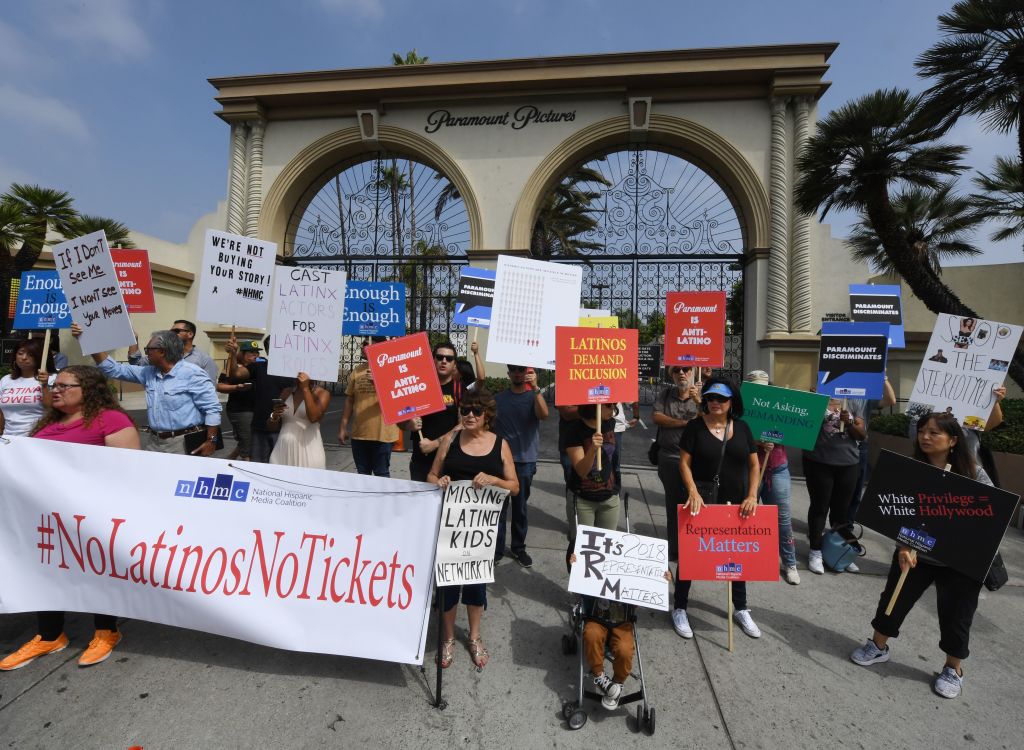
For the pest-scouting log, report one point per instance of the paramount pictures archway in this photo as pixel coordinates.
(349, 168)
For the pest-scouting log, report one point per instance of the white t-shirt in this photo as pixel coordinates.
(21, 401)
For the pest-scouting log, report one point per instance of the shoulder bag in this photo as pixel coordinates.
(837, 552)
(709, 490)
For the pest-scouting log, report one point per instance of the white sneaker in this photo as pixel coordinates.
(815, 563)
(791, 575)
(852, 568)
(611, 699)
(681, 623)
(746, 622)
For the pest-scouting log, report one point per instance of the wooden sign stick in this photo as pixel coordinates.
(476, 330)
(764, 468)
(896, 591)
(420, 433)
(842, 408)
(600, 448)
(728, 593)
(46, 349)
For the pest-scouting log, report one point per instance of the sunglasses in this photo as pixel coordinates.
(717, 398)
(679, 370)
(444, 358)
(179, 330)
(516, 369)
(476, 411)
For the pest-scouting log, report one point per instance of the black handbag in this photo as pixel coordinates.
(997, 575)
(709, 489)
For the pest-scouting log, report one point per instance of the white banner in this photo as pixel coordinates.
(622, 567)
(235, 279)
(467, 535)
(531, 298)
(299, 559)
(94, 297)
(966, 358)
(305, 322)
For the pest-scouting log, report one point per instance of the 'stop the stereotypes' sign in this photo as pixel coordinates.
(514, 119)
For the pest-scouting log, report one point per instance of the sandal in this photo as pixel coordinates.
(447, 655)
(478, 653)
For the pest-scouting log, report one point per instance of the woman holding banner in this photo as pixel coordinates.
(593, 498)
(717, 449)
(474, 454)
(940, 442)
(83, 411)
(25, 392)
(297, 414)
(676, 406)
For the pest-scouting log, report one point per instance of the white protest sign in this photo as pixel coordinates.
(94, 297)
(966, 358)
(305, 322)
(235, 279)
(467, 535)
(287, 560)
(622, 567)
(531, 298)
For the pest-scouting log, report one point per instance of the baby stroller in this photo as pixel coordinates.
(573, 711)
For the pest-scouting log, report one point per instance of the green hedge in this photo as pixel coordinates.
(1008, 438)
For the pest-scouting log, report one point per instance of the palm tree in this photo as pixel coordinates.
(449, 194)
(859, 154)
(937, 223)
(411, 58)
(565, 213)
(1002, 197)
(118, 235)
(392, 180)
(41, 209)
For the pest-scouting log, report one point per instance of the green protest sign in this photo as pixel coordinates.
(782, 415)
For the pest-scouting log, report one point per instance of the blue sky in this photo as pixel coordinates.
(108, 99)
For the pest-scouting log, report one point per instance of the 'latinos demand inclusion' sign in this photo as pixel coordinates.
(782, 415)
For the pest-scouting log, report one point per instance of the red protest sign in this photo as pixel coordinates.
(596, 365)
(135, 279)
(695, 329)
(719, 545)
(404, 376)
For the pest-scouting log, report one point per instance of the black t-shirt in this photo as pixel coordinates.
(598, 485)
(237, 400)
(705, 450)
(440, 422)
(265, 388)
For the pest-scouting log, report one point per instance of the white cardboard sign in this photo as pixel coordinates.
(467, 535)
(305, 322)
(621, 567)
(235, 280)
(94, 297)
(531, 298)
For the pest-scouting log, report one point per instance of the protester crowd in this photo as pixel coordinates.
(704, 452)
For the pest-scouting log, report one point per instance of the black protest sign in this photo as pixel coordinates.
(851, 360)
(650, 361)
(950, 518)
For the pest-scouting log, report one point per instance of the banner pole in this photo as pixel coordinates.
(439, 703)
(896, 591)
(46, 349)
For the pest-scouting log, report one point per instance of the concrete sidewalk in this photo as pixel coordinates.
(793, 688)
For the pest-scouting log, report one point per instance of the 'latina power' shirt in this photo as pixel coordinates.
(21, 401)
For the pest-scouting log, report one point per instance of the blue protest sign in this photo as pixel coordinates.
(41, 302)
(879, 303)
(476, 297)
(374, 308)
(851, 360)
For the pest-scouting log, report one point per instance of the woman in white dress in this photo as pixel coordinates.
(297, 415)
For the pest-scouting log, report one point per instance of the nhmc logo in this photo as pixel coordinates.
(220, 487)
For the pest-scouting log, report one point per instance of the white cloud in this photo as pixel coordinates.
(14, 53)
(106, 26)
(364, 8)
(18, 108)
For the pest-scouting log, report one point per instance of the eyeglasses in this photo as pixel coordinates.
(716, 397)
(512, 368)
(444, 357)
(476, 411)
(149, 349)
(58, 387)
(179, 330)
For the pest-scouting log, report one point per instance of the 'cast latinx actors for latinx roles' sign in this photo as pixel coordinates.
(468, 534)
(235, 279)
(305, 322)
(620, 566)
(90, 285)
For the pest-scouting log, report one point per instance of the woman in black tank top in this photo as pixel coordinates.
(473, 454)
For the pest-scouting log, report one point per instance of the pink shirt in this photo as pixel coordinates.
(106, 423)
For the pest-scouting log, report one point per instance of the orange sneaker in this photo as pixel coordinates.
(33, 650)
(100, 647)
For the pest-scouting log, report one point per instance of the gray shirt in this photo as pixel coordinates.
(835, 447)
(671, 405)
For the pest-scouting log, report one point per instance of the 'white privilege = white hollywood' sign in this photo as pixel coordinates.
(467, 535)
(235, 279)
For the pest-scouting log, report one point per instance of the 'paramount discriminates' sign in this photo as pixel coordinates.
(516, 120)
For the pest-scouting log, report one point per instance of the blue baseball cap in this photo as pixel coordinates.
(721, 389)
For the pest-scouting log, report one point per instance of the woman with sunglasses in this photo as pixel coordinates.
(83, 411)
(700, 453)
(24, 393)
(474, 454)
(676, 406)
(939, 442)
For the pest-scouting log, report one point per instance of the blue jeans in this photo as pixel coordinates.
(372, 457)
(779, 495)
(524, 473)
